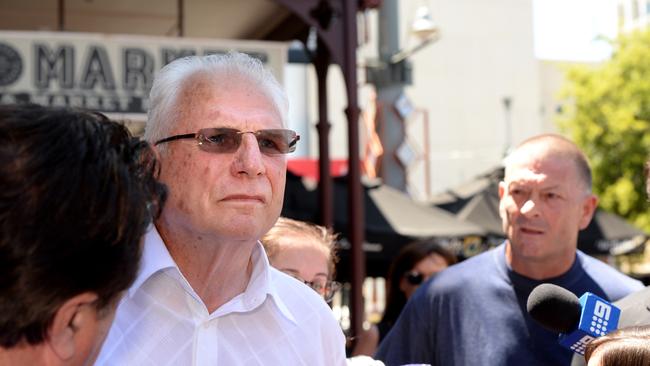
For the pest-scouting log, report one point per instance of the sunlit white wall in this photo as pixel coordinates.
(485, 54)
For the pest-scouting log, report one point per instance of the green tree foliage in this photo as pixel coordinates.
(608, 116)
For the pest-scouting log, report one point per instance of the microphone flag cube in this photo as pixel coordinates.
(597, 318)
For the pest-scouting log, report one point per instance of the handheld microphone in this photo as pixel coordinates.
(579, 321)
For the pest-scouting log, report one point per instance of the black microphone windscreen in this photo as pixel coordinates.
(554, 308)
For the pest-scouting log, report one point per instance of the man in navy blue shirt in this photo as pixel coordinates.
(474, 313)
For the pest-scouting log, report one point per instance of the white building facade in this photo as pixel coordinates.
(479, 86)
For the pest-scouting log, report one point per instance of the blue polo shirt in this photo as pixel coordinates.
(474, 313)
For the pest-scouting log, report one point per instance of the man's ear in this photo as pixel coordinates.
(156, 151)
(502, 189)
(589, 206)
(75, 313)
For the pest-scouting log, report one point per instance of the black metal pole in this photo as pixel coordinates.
(325, 194)
(355, 208)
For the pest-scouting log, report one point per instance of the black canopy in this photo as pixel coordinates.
(392, 219)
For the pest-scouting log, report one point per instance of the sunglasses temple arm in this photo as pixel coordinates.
(292, 144)
(177, 137)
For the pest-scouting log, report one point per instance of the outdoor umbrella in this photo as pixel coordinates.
(391, 212)
(392, 219)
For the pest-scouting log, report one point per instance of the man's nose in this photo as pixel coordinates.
(248, 158)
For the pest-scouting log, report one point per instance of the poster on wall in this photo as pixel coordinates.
(107, 73)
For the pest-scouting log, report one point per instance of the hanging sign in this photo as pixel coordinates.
(101, 72)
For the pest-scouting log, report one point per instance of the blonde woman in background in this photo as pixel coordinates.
(307, 252)
(304, 251)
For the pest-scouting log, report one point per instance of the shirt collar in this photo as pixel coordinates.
(264, 282)
(566, 280)
(156, 257)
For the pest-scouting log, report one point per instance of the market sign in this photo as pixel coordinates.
(101, 72)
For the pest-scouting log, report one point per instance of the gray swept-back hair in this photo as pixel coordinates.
(169, 85)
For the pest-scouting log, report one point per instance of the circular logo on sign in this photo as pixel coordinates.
(11, 65)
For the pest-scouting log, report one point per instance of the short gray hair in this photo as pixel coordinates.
(168, 86)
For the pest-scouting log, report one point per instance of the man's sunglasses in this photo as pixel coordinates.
(228, 140)
(414, 277)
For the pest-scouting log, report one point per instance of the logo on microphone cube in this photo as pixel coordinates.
(598, 317)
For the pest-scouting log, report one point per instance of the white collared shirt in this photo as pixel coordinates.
(276, 321)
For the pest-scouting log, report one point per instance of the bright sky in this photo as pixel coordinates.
(566, 29)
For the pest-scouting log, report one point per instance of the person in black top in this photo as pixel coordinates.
(414, 264)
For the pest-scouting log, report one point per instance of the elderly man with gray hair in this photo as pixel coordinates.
(206, 294)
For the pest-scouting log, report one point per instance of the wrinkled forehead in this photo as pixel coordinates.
(540, 168)
(233, 102)
(525, 176)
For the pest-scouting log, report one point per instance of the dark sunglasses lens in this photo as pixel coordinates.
(414, 278)
(219, 140)
(274, 142)
(227, 140)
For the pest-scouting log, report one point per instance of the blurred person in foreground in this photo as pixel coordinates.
(414, 264)
(474, 313)
(628, 346)
(77, 194)
(206, 294)
(307, 252)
